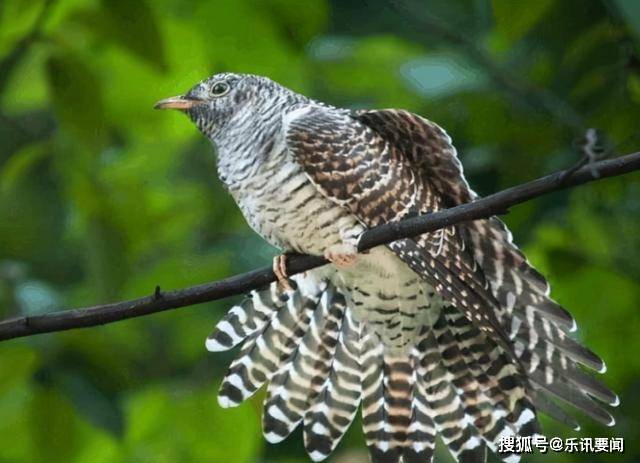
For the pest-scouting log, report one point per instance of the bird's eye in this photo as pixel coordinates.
(219, 89)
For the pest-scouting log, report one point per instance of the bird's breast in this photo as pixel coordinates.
(282, 205)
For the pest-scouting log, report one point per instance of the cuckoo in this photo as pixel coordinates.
(451, 333)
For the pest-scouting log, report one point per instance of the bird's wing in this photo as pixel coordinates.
(428, 148)
(387, 165)
(536, 325)
(360, 169)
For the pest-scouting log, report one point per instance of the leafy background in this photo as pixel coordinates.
(102, 198)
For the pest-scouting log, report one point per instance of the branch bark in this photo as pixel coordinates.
(495, 204)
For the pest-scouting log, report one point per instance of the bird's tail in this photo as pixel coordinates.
(320, 364)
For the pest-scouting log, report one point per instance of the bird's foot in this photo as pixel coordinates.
(280, 269)
(342, 255)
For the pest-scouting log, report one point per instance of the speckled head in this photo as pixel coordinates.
(221, 103)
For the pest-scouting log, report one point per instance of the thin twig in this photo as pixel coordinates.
(165, 300)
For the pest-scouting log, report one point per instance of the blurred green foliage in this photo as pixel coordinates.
(102, 198)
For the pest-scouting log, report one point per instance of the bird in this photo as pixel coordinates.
(452, 333)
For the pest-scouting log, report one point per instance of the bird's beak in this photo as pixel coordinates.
(178, 102)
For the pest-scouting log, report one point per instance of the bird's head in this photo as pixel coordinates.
(227, 100)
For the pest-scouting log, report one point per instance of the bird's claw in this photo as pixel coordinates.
(342, 255)
(280, 269)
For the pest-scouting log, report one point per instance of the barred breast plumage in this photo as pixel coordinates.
(450, 333)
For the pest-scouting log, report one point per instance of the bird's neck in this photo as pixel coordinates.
(248, 142)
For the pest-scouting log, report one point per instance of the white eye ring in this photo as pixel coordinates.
(220, 89)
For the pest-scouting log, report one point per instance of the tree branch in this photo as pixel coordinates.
(497, 203)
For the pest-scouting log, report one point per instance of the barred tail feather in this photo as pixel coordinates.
(445, 407)
(268, 349)
(538, 328)
(335, 406)
(294, 387)
(470, 446)
(246, 318)
(573, 396)
(543, 403)
(320, 364)
(534, 331)
(422, 431)
(372, 377)
(514, 282)
(398, 398)
(492, 390)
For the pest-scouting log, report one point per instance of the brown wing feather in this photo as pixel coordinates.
(428, 149)
(363, 171)
(535, 322)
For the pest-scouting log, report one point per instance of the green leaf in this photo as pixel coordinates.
(515, 19)
(77, 98)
